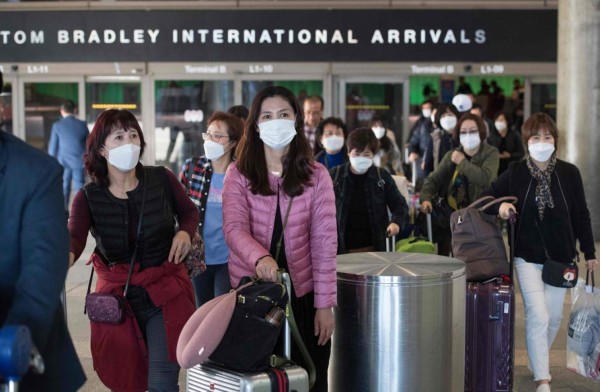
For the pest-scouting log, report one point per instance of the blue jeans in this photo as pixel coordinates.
(78, 178)
(211, 283)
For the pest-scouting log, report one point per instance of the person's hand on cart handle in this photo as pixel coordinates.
(426, 207)
(266, 269)
(392, 230)
(506, 209)
(591, 264)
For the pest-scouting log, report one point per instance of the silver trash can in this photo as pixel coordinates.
(400, 323)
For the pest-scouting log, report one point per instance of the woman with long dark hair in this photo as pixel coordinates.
(277, 197)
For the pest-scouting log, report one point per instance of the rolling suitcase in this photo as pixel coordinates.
(489, 335)
(287, 377)
(417, 243)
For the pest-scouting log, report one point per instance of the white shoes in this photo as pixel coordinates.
(543, 388)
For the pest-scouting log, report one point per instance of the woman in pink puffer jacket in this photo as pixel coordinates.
(276, 187)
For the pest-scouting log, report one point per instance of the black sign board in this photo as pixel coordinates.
(280, 35)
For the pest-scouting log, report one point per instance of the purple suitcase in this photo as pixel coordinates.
(489, 340)
(490, 333)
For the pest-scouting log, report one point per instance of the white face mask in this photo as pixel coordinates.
(500, 125)
(448, 123)
(213, 150)
(541, 152)
(426, 113)
(470, 141)
(379, 132)
(333, 143)
(277, 134)
(361, 164)
(124, 157)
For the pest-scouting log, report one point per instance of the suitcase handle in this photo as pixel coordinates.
(291, 326)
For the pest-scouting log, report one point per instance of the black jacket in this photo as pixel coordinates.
(111, 220)
(555, 229)
(379, 194)
(512, 144)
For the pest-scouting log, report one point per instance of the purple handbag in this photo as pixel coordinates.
(107, 308)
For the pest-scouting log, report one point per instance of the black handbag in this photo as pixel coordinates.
(559, 274)
(255, 324)
(107, 308)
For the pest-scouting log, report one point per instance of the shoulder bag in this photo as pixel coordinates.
(556, 273)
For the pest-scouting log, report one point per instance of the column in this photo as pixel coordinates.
(578, 100)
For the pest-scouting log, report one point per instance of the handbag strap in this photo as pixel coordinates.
(480, 200)
(587, 278)
(137, 239)
(285, 220)
(570, 228)
(135, 249)
(510, 199)
(568, 216)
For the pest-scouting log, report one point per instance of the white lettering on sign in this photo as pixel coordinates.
(37, 69)
(432, 69)
(205, 69)
(221, 36)
(253, 36)
(492, 69)
(21, 37)
(108, 36)
(411, 36)
(260, 68)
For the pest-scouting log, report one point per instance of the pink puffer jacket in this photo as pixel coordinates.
(310, 235)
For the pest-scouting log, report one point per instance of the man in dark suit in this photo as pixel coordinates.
(34, 258)
(67, 144)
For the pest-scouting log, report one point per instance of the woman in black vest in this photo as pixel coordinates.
(139, 353)
(552, 215)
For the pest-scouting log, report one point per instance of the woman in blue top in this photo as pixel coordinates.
(331, 135)
(205, 188)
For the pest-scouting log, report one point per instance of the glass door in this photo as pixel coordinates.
(102, 94)
(543, 98)
(182, 108)
(301, 88)
(42, 105)
(361, 101)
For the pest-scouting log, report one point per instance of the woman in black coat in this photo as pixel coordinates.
(363, 194)
(552, 215)
(506, 140)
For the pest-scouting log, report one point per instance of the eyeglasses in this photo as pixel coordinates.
(469, 131)
(214, 138)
